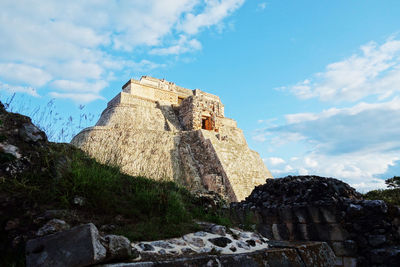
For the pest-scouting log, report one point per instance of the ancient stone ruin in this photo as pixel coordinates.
(216, 245)
(311, 208)
(157, 129)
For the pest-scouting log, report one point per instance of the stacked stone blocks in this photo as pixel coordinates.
(360, 232)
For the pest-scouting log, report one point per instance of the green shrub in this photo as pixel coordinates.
(393, 182)
(388, 195)
(151, 209)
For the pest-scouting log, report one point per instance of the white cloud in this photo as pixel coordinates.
(275, 161)
(262, 6)
(356, 144)
(259, 138)
(18, 89)
(75, 86)
(183, 45)
(144, 65)
(373, 71)
(282, 171)
(310, 162)
(78, 69)
(51, 42)
(77, 97)
(25, 74)
(214, 12)
(348, 129)
(359, 169)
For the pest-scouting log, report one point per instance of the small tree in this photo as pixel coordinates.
(393, 182)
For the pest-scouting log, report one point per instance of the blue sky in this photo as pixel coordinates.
(315, 85)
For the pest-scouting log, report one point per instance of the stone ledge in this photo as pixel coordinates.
(283, 254)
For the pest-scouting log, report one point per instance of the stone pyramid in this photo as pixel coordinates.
(159, 130)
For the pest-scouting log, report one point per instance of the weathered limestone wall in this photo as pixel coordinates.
(187, 158)
(195, 107)
(129, 112)
(157, 90)
(243, 166)
(148, 153)
(151, 92)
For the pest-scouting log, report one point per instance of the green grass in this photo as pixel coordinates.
(54, 174)
(391, 196)
(150, 209)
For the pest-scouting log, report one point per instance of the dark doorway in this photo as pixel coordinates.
(206, 123)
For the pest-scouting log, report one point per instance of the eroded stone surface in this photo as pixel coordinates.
(118, 247)
(52, 226)
(228, 241)
(79, 246)
(318, 254)
(324, 209)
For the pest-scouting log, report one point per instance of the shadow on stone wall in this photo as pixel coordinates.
(310, 208)
(200, 165)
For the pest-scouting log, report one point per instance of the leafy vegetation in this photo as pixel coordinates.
(60, 173)
(393, 182)
(52, 176)
(58, 126)
(149, 209)
(390, 195)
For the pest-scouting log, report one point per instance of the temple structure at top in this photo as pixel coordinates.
(201, 110)
(160, 130)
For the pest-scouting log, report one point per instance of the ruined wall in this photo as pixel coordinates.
(194, 108)
(128, 111)
(310, 208)
(156, 90)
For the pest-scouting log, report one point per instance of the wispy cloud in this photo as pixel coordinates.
(213, 13)
(19, 89)
(262, 6)
(183, 45)
(375, 70)
(80, 87)
(356, 143)
(52, 42)
(24, 74)
(78, 97)
(275, 161)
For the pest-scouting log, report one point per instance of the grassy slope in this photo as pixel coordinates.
(150, 209)
(141, 208)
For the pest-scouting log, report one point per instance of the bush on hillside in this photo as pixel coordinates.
(390, 195)
(393, 182)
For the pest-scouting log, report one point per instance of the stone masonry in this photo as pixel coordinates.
(157, 129)
(311, 208)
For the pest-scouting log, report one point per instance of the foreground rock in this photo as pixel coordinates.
(217, 245)
(80, 246)
(214, 239)
(214, 246)
(362, 232)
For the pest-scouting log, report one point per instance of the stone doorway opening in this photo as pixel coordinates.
(206, 123)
